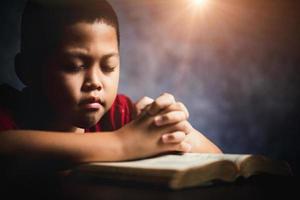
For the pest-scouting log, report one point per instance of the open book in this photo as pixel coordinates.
(186, 170)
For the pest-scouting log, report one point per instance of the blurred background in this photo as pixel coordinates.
(234, 63)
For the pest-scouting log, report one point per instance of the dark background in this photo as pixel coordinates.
(234, 63)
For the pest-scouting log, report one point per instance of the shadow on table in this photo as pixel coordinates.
(88, 188)
(256, 187)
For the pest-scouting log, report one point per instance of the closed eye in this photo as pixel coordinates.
(109, 63)
(75, 67)
(108, 68)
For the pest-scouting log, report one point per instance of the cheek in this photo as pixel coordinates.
(111, 88)
(63, 90)
(72, 86)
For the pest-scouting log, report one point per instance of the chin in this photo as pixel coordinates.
(88, 121)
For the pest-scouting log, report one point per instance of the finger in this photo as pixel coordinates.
(170, 118)
(178, 106)
(175, 137)
(183, 126)
(141, 104)
(185, 147)
(181, 147)
(184, 109)
(160, 103)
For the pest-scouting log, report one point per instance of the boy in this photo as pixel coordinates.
(69, 61)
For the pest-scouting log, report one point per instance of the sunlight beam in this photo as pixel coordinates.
(199, 2)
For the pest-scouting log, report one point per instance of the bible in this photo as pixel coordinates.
(178, 171)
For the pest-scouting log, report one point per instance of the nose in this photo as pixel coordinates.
(92, 79)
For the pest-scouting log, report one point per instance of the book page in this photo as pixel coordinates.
(176, 161)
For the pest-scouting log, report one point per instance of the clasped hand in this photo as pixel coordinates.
(167, 112)
(159, 126)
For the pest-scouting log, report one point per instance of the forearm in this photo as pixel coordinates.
(69, 147)
(201, 144)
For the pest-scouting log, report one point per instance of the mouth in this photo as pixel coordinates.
(91, 104)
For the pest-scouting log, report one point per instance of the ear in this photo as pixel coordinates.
(22, 69)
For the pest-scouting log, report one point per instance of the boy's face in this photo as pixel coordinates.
(81, 79)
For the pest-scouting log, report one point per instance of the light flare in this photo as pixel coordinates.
(199, 2)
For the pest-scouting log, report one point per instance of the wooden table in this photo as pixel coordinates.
(75, 187)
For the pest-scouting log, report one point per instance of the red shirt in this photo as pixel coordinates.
(14, 113)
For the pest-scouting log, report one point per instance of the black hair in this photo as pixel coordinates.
(42, 27)
(44, 20)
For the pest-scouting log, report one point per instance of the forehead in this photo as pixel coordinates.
(96, 36)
